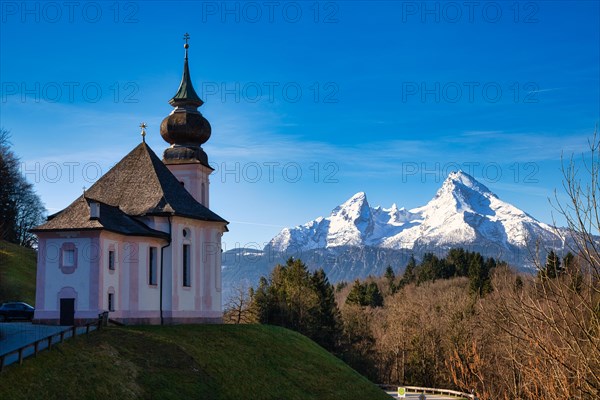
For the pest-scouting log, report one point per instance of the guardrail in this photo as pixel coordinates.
(418, 389)
(102, 319)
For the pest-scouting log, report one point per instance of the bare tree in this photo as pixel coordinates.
(8, 178)
(20, 207)
(30, 213)
(237, 308)
(545, 328)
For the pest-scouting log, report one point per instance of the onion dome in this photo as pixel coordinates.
(185, 129)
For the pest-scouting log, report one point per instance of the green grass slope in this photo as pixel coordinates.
(187, 362)
(17, 273)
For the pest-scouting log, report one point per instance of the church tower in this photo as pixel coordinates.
(156, 210)
(185, 129)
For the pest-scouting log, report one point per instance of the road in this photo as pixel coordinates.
(14, 335)
(415, 396)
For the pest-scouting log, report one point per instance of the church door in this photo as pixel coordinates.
(67, 312)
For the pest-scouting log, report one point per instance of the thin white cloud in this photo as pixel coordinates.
(258, 224)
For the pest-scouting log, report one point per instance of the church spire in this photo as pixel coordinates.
(186, 95)
(185, 129)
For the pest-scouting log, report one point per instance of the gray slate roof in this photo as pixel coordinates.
(139, 185)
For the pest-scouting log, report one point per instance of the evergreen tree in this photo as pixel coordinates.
(373, 296)
(294, 298)
(365, 295)
(340, 285)
(572, 270)
(518, 283)
(390, 277)
(458, 259)
(260, 302)
(409, 272)
(328, 325)
(357, 294)
(476, 274)
(553, 267)
(568, 262)
(427, 269)
(486, 279)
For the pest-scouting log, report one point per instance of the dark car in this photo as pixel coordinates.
(16, 310)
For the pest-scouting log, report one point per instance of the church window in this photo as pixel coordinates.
(152, 266)
(68, 257)
(111, 260)
(111, 302)
(186, 266)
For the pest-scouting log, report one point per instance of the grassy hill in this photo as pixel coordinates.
(17, 273)
(187, 362)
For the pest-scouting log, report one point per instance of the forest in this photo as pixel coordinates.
(461, 322)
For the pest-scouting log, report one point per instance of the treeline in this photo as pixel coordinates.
(20, 207)
(457, 263)
(462, 321)
(293, 297)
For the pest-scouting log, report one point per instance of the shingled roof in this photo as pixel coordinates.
(76, 217)
(139, 185)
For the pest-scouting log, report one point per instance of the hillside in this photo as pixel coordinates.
(17, 273)
(193, 361)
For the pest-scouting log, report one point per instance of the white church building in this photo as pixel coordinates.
(142, 242)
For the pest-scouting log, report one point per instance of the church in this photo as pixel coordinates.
(141, 243)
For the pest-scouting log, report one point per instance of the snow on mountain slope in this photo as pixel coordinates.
(463, 213)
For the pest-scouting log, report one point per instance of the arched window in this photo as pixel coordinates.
(111, 300)
(186, 265)
(68, 258)
(186, 259)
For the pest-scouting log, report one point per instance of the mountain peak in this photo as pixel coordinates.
(464, 212)
(358, 196)
(355, 206)
(460, 179)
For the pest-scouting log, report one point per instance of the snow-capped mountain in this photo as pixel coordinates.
(357, 240)
(463, 213)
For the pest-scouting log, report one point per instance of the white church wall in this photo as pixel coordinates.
(68, 265)
(202, 299)
(135, 298)
(110, 278)
(195, 179)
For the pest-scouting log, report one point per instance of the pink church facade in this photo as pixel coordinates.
(141, 243)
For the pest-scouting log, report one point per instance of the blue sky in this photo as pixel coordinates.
(310, 102)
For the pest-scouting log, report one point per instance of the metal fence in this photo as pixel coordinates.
(46, 342)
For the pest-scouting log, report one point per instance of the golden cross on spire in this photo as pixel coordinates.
(143, 126)
(186, 37)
